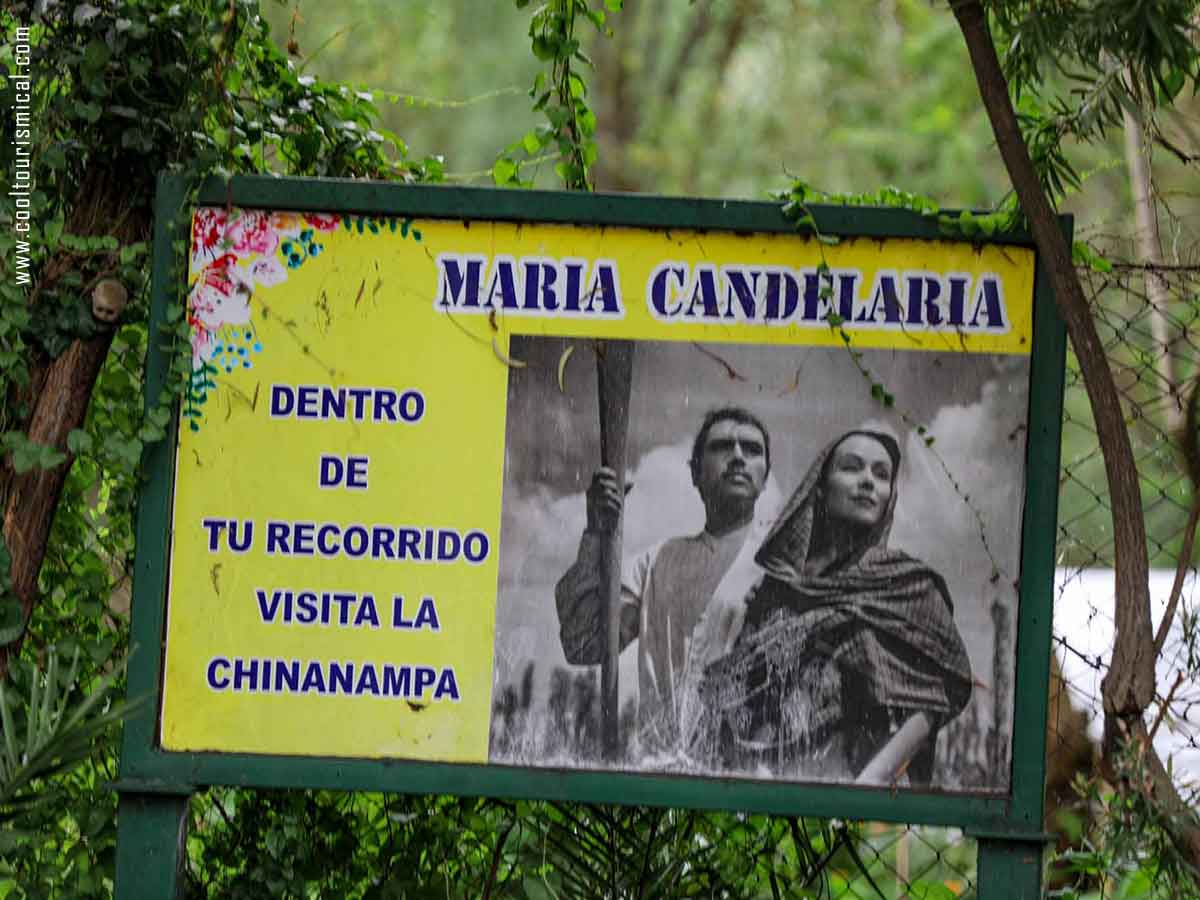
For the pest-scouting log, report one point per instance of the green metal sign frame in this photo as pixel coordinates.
(155, 784)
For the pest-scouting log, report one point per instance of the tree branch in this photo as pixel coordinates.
(1128, 687)
(1137, 159)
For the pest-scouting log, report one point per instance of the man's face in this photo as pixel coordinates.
(733, 463)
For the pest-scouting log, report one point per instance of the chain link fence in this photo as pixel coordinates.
(1151, 346)
(1146, 318)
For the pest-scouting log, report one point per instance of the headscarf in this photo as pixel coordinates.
(869, 637)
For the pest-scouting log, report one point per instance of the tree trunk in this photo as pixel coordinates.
(60, 388)
(60, 406)
(1128, 687)
(1149, 244)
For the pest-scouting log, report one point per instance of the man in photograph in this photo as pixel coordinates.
(666, 590)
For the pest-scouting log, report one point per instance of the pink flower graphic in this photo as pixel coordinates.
(251, 232)
(323, 222)
(208, 227)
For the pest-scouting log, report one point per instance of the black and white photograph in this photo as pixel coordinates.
(818, 552)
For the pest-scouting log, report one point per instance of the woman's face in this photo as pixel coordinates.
(858, 482)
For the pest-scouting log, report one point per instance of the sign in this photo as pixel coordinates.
(382, 547)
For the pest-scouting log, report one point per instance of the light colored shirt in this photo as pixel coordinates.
(664, 593)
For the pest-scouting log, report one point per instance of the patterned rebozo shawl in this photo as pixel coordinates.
(828, 664)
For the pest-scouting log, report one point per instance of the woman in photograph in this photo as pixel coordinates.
(847, 661)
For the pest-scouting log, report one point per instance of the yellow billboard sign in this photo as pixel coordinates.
(377, 416)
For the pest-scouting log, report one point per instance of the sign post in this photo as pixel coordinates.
(614, 371)
(363, 560)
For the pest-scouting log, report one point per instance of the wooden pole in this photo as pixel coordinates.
(614, 367)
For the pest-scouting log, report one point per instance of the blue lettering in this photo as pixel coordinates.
(341, 678)
(847, 288)
(277, 537)
(242, 545)
(368, 682)
(215, 681)
(287, 674)
(446, 686)
(381, 543)
(283, 400)
(307, 610)
(603, 286)
(356, 472)
(409, 548)
(333, 403)
(412, 406)
(427, 616)
(479, 541)
(384, 401)
(425, 678)
(448, 546)
(456, 287)
(268, 609)
(958, 296)
(923, 294)
(658, 290)
(367, 613)
(547, 278)
(327, 548)
(355, 541)
(781, 284)
(243, 673)
(987, 301)
(214, 527)
(574, 272)
(314, 679)
(744, 292)
(302, 538)
(503, 286)
(307, 399)
(704, 293)
(396, 681)
(885, 297)
(816, 307)
(331, 472)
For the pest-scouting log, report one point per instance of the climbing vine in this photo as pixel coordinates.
(560, 93)
(117, 92)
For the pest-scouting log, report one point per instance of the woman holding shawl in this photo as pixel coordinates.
(847, 661)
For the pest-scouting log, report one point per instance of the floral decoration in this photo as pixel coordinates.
(234, 252)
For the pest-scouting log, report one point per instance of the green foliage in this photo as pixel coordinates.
(120, 91)
(560, 94)
(57, 828)
(58, 734)
(1077, 69)
(1126, 853)
(128, 87)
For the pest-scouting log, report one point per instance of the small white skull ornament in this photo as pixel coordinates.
(108, 300)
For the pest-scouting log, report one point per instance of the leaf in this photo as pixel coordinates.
(504, 170)
(509, 361)
(12, 620)
(1172, 83)
(89, 112)
(531, 142)
(79, 441)
(562, 368)
(1082, 254)
(95, 57)
(545, 48)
